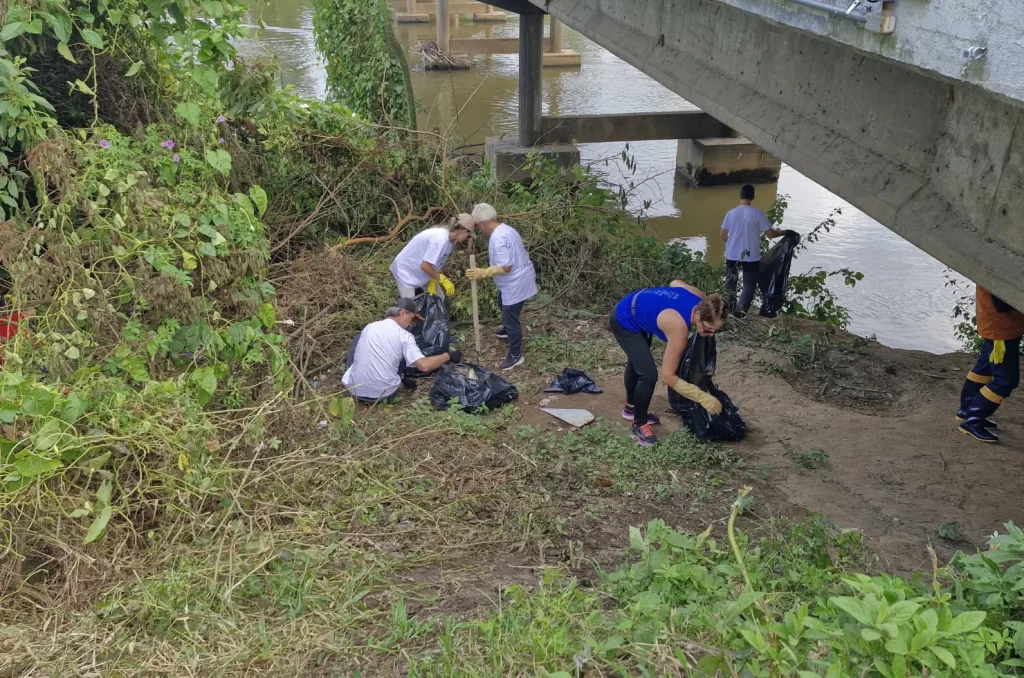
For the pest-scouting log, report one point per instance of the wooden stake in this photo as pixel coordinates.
(473, 292)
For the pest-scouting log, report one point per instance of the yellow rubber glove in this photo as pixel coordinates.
(998, 352)
(709, 402)
(447, 285)
(483, 273)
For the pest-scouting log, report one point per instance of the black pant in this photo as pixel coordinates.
(751, 269)
(513, 327)
(641, 371)
(382, 400)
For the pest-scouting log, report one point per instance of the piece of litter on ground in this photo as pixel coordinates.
(545, 402)
(575, 418)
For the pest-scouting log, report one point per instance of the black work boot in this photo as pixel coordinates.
(978, 413)
(967, 394)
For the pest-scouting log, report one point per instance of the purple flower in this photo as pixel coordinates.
(221, 118)
(169, 144)
(176, 158)
(104, 143)
(221, 140)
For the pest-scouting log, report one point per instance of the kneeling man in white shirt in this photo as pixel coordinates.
(382, 349)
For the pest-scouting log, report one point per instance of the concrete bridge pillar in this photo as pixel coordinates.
(443, 26)
(490, 16)
(531, 82)
(508, 158)
(725, 160)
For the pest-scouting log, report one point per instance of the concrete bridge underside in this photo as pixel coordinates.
(937, 159)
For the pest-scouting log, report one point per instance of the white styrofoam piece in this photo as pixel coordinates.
(575, 418)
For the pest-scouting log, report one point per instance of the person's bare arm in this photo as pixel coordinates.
(429, 269)
(774, 233)
(431, 363)
(685, 286)
(677, 332)
(725, 235)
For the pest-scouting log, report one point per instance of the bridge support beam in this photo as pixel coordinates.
(930, 142)
(423, 12)
(596, 129)
(507, 158)
(490, 16)
(554, 55)
(410, 15)
(531, 82)
(725, 160)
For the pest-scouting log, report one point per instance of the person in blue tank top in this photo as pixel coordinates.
(669, 313)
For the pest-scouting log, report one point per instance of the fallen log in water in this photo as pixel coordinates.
(436, 59)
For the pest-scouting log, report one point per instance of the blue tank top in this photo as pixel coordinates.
(643, 315)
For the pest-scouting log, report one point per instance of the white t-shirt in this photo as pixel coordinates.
(505, 248)
(381, 347)
(431, 245)
(745, 225)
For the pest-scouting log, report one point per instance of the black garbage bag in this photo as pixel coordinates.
(473, 386)
(573, 381)
(698, 368)
(433, 335)
(774, 273)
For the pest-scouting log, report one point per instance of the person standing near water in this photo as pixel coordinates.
(669, 313)
(997, 372)
(741, 231)
(513, 274)
(417, 268)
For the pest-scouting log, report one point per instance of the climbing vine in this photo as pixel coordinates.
(366, 68)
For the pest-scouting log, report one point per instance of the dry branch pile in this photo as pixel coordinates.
(436, 59)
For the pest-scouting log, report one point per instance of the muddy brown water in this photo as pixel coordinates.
(903, 299)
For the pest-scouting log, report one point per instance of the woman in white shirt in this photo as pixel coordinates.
(417, 268)
(513, 275)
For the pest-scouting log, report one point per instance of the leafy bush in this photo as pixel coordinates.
(778, 608)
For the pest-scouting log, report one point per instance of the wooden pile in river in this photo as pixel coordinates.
(436, 59)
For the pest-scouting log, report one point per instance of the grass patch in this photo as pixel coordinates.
(554, 353)
(606, 456)
(812, 458)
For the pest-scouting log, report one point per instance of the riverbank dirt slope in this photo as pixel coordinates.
(877, 423)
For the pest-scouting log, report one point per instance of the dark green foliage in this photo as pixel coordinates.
(366, 68)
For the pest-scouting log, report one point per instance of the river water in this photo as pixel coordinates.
(903, 298)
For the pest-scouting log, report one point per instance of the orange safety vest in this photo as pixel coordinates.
(993, 324)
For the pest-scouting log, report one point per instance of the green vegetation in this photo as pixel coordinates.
(687, 604)
(812, 458)
(366, 66)
(611, 458)
(178, 497)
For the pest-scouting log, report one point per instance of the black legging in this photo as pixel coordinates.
(641, 371)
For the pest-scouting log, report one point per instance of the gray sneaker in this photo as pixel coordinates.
(511, 361)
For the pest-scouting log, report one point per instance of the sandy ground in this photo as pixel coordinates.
(897, 466)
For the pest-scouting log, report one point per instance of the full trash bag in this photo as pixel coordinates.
(473, 386)
(698, 368)
(573, 381)
(774, 273)
(433, 335)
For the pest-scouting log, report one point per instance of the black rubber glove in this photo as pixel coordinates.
(455, 357)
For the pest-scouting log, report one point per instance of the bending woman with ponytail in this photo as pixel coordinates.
(669, 313)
